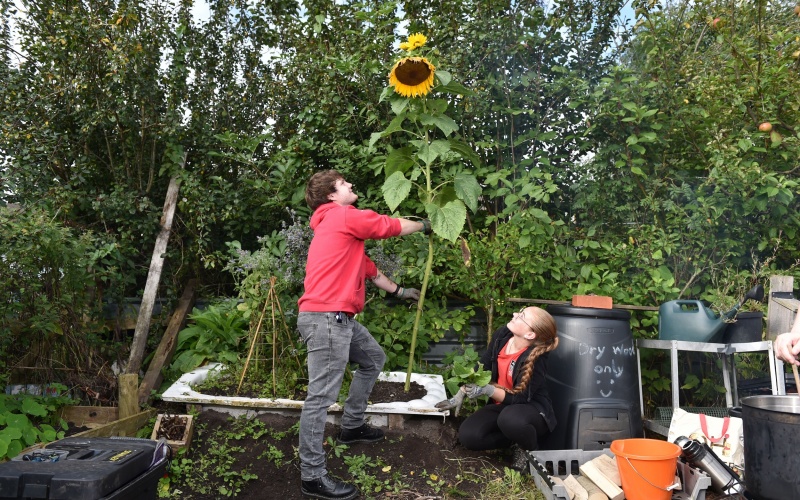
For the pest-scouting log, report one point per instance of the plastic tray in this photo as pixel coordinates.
(561, 463)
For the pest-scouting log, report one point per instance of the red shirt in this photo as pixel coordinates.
(505, 366)
(337, 265)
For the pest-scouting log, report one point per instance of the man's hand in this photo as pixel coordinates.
(426, 227)
(408, 293)
(787, 347)
(475, 391)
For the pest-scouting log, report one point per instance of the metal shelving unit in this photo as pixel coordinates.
(728, 369)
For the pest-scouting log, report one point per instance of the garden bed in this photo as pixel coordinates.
(182, 391)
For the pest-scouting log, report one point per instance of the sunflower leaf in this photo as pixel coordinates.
(468, 190)
(455, 88)
(395, 189)
(465, 151)
(444, 123)
(447, 221)
(444, 76)
(399, 160)
(429, 152)
(399, 105)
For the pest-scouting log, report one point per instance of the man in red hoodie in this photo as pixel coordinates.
(336, 271)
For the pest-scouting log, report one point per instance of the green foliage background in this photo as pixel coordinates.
(617, 158)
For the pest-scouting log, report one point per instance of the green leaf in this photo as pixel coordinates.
(374, 137)
(429, 152)
(399, 160)
(11, 432)
(468, 190)
(447, 221)
(454, 88)
(395, 189)
(31, 407)
(465, 151)
(14, 448)
(444, 123)
(444, 76)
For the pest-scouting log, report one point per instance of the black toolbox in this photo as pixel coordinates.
(87, 469)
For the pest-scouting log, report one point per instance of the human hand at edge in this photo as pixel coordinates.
(787, 347)
(408, 293)
(475, 391)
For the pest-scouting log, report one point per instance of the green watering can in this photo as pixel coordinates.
(692, 321)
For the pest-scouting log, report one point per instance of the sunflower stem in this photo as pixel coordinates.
(418, 317)
(425, 278)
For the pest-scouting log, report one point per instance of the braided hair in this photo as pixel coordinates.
(546, 340)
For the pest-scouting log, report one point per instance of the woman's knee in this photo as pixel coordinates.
(511, 422)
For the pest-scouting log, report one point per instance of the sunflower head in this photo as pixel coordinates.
(415, 41)
(412, 76)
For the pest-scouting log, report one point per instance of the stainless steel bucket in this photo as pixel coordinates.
(772, 446)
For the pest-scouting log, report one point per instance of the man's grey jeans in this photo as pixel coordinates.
(331, 345)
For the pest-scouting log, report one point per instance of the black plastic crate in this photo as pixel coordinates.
(87, 469)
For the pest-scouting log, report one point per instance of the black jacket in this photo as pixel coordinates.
(535, 393)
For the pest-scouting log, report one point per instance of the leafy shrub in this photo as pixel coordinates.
(26, 420)
(214, 335)
(51, 287)
(464, 368)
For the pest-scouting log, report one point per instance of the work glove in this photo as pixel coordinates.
(407, 293)
(426, 227)
(453, 403)
(475, 391)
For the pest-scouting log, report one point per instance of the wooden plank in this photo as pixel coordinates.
(128, 385)
(594, 491)
(558, 480)
(153, 278)
(567, 303)
(90, 416)
(779, 318)
(578, 491)
(122, 427)
(166, 348)
(126, 427)
(613, 491)
(608, 467)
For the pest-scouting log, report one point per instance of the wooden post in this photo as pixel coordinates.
(153, 277)
(780, 315)
(166, 348)
(128, 400)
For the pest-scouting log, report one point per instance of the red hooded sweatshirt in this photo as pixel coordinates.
(337, 266)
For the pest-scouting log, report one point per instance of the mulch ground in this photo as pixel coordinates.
(424, 458)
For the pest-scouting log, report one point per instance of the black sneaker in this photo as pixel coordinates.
(519, 459)
(363, 434)
(328, 488)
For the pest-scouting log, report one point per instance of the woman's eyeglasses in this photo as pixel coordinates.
(521, 315)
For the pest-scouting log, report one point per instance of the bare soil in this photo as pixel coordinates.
(423, 457)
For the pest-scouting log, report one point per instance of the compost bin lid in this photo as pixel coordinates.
(589, 312)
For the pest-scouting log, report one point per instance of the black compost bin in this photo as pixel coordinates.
(87, 469)
(593, 379)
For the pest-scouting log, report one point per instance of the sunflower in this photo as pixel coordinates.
(412, 76)
(414, 42)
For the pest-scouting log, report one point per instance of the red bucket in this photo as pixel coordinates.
(647, 467)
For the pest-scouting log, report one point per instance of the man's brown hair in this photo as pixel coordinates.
(320, 186)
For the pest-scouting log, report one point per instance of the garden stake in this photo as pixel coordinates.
(252, 346)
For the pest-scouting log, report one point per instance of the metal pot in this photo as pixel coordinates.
(771, 446)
